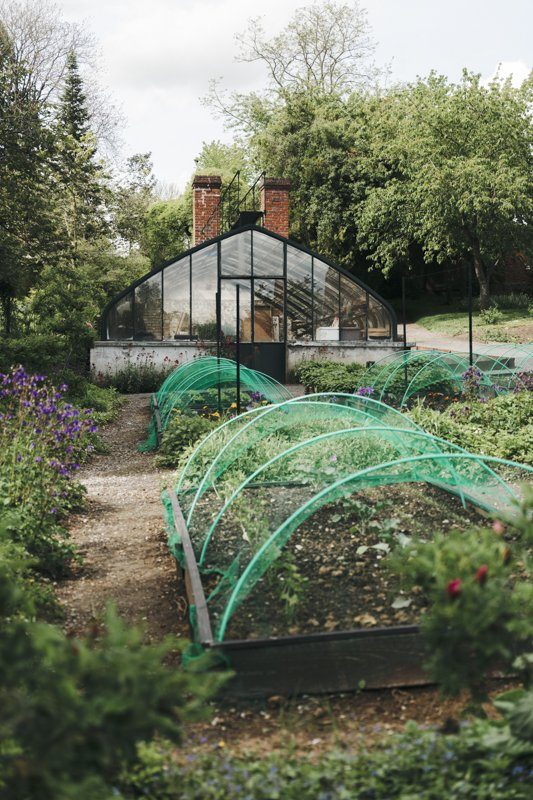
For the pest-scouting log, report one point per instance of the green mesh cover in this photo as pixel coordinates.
(404, 376)
(210, 384)
(248, 486)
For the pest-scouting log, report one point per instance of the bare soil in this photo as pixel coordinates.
(121, 536)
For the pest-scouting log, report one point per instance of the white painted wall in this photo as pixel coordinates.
(110, 357)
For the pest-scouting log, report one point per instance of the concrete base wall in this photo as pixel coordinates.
(110, 357)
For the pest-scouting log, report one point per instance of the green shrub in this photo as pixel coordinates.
(490, 316)
(476, 617)
(74, 710)
(502, 427)
(483, 762)
(143, 375)
(184, 429)
(37, 352)
(328, 376)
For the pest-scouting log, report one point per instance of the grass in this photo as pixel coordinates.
(452, 321)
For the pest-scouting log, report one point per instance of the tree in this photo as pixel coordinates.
(132, 199)
(27, 234)
(167, 231)
(224, 160)
(326, 47)
(81, 176)
(456, 164)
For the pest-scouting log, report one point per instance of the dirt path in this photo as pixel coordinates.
(121, 535)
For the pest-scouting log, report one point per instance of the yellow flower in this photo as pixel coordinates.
(215, 414)
(233, 405)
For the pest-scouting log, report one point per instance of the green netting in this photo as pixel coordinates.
(402, 377)
(210, 384)
(250, 484)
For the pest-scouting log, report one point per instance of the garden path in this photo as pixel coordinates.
(121, 535)
(425, 338)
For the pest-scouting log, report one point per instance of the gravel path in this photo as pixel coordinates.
(121, 536)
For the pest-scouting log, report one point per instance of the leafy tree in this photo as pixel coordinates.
(26, 205)
(133, 198)
(224, 160)
(167, 230)
(455, 165)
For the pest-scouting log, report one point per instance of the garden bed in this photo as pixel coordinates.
(340, 640)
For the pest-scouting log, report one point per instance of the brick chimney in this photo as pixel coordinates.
(205, 207)
(275, 205)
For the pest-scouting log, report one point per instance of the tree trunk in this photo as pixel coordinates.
(482, 277)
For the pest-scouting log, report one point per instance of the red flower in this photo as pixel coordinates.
(481, 575)
(454, 588)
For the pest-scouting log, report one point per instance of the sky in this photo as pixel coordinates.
(157, 57)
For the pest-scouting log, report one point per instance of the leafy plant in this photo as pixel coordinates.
(183, 430)
(478, 613)
(490, 316)
(502, 427)
(328, 376)
(74, 710)
(42, 440)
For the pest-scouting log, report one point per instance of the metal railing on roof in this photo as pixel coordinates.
(231, 205)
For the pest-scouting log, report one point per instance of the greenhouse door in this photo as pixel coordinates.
(261, 322)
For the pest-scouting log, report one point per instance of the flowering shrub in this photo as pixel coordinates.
(42, 440)
(479, 614)
(141, 375)
(523, 382)
(471, 379)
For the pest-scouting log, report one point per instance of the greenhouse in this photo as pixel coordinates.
(256, 286)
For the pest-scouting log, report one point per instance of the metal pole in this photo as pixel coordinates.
(403, 314)
(404, 323)
(470, 324)
(219, 336)
(238, 346)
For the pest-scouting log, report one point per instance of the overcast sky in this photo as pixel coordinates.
(159, 55)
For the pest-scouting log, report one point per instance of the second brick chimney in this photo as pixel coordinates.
(205, 207)
(275, 205)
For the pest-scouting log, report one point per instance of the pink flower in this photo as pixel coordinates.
(453, 589)
(482, 574)
(498, 527)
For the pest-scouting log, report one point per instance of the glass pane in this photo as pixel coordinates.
(268, 311)
(353, 310)
(120, 319)
(268, 255)
(379, 325)
(299, 295)
(326, 301)
(228, 310)
(176, 300)
(147, 317)
(204, 290)
(236, 254)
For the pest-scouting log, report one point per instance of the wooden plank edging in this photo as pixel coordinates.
(192, 573)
